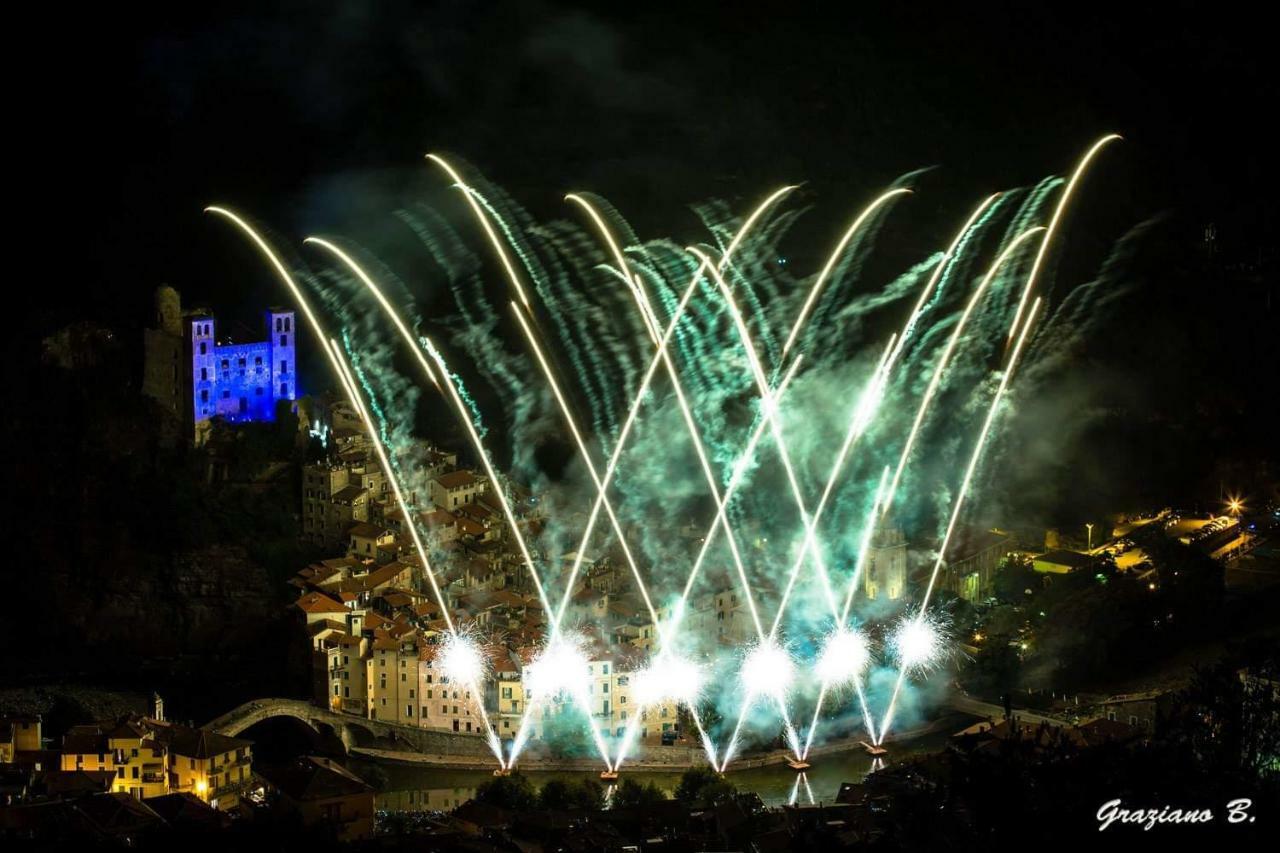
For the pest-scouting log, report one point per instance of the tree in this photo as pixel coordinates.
(566, 732)
(996, 667)
(562, 795)
(513, 792)
(1230, 720)
(710, 715)
(631, 794)
(1012, 580)
(703, 785)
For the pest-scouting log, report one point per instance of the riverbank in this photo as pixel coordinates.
(414, 785)
(670, 761)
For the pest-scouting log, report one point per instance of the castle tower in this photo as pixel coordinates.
(168, 310)
(281, 334)
(163, 371)
(204, 366)
(885, 572)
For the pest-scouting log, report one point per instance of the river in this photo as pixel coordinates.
(417, 788)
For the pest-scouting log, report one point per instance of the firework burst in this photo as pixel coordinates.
(560, 670)
(462, 656)
(845, 655)
(674, 679)
(767, 670)
(921, 643)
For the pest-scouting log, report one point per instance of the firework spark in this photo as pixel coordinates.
(768, 670)
(462, 657)
(919, 642)
(845, 655)
(669, 679)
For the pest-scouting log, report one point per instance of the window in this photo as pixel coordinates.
(204, 374)
(284, 389)
(284, 368)
(204, 395)
(284, 340)
(204, 348)
(408, 710)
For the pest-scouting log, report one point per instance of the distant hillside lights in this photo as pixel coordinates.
(236, 382)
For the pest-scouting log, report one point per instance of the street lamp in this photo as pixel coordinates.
(1090, 527)
(1234, 506)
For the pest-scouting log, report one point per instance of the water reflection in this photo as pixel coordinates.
(413, 788)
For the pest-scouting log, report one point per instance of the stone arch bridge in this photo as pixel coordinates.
(374, 738)
(353, 731)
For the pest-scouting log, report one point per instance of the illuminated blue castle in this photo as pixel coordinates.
(199, 379)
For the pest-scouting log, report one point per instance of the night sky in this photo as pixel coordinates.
(314, 116)
(272, 106)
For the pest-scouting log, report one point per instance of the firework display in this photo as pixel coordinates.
(749, 434)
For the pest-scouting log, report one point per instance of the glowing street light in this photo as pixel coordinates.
(1235, 506)
(1090, 527)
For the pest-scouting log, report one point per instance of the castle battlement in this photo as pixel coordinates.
(199, 379)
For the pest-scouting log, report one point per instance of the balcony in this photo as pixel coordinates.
(230, 787)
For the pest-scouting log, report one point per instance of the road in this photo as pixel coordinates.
(978, 708)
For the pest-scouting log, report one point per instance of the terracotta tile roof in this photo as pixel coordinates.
(317, 602)
(366, 530)
(456, 479)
